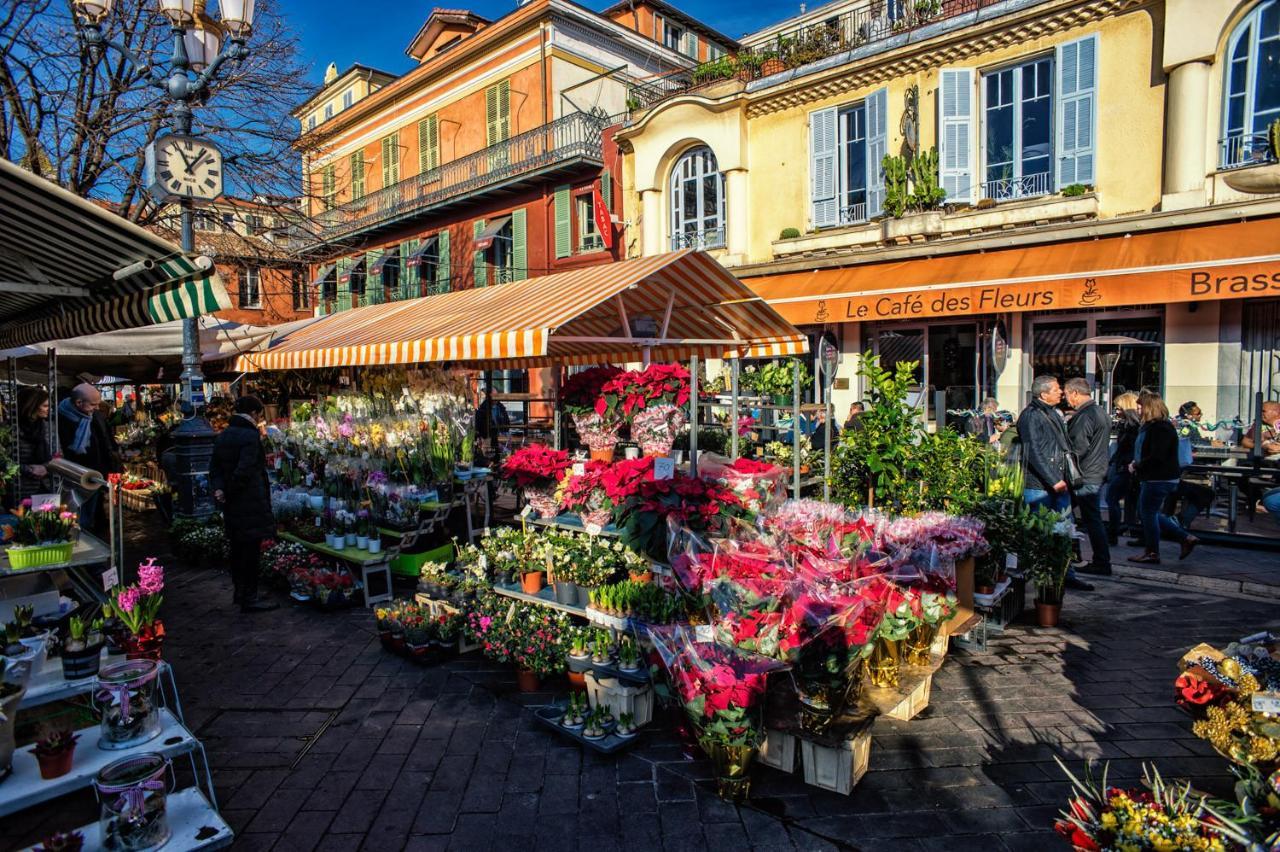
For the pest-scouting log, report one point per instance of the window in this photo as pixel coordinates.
(311, 122)
(1018, 130)
(428, 144)
(301, 292)
(672, 36)
(205, 220)
(501, 256)
(357, 175)
(348, 98)
(328, 187)
(697, 201)
(589, 238)
(846, 151)
(851, 155)
(497, 104)
(714, 51)
(391, 160)
(328, 111)
(228, 222)
(253, 224)
(1253, 87)
(250, 288)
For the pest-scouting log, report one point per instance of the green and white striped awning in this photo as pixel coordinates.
(58, 257)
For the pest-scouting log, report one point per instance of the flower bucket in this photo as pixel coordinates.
(566, 593)
(604, 455)
(531, 582)
(147, 645)
(918, 644)
(732, 765)
(595, 518)
(375, 545)
(81, 664)
(350, 539)
(125, 693)
(362, 542)
(1047, 614)
(39, 555)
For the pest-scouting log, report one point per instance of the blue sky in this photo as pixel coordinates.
(329, 32)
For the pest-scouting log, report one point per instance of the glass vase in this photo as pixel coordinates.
(125, 693)
(133, 793)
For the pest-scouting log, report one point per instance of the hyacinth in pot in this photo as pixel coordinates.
(138, 607)
(656, 427)
(538, 470)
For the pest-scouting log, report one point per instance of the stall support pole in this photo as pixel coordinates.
(826, 450)
(694, 386)
(51, 425)
(795, 426)
(14, 423)
(733, 407)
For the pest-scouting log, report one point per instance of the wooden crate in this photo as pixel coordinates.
(836, 768)
(908, 699)
(778, 750)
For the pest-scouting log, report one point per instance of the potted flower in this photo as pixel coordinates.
(580, 397)
(60, 841)
(54, 750)
(576, 711)
(138, 608)
(655, 428)
(585, 494)
(776, 380)
(362, 529)
(628, 655)
(601, 652)
(593, 725)
(418, 635)
(448, 627)
(537, 470)
(1047, 550)
(626, 726)
(633, 391)
(82, 652)
(43, 535)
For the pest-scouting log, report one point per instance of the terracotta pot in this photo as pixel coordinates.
(641, 576)
(56, 765)
(772, 66)
(1047, 614)
(605, 455)
(528, 680)
(577, 680)
(984, 590)
(531, 582)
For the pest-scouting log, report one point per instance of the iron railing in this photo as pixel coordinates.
(709, 238)
(1248, 149)
(853, 214)
(574, 136)
(873, 22)
(1028, 186)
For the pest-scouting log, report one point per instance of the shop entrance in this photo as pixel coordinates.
(1055, 351)
(947, 359)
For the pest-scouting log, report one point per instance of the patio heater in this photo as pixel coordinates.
(1108, 361)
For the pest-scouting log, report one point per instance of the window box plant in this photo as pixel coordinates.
(43, 535)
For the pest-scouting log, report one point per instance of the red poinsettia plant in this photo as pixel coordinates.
(585, 494)
(681, 503)
(536, 466)
(580, 391)
(636, 390)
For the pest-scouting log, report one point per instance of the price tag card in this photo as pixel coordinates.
(110, 579)
(526, 511)
(593, 529)
(664, 467)
(1266, 702)
(579, 468)
(702, 633)
(484, 562)
(1010, 561)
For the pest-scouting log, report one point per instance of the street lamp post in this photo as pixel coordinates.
(199, 53)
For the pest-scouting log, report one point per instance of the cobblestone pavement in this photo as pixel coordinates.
(320, 740)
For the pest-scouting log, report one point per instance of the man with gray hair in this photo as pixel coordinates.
(86, 439)
(1090, 434)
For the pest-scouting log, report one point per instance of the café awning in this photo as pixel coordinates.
(69, 267)
(485, 238)
(671, 305)
(391, 254)
(1233, 260)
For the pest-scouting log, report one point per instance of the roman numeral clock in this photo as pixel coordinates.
(180, 166)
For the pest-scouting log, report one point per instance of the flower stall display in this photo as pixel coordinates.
(1218, 688)
(585, 494)
(633, 391)
(722, 693)
(655, 428)
(759, 486)
(526, 635)
(137, 606)
(43, 535)
(537, 470)
(582, 398)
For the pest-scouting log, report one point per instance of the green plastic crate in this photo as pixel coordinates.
(410, 564)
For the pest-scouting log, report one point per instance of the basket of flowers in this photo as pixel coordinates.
(43, 535)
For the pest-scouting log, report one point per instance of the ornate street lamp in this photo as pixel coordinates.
(183, 168)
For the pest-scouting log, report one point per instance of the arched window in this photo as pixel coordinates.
(697, 201)
(1253, 86)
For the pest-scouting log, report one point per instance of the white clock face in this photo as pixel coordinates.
(188, 168)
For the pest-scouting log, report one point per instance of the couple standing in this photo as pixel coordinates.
(1067, 463)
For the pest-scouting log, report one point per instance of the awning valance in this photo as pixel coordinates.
(375, 268)
(1195, 263)
(59, 258)
(673, 305)
(421, 251)
(484, 239)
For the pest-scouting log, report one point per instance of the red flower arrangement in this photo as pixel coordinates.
(536, 466)
(1195, 693)
(635, 390)
(581, 391)
(585, 493)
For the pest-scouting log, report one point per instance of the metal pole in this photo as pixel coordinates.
(733, 407)
(15, 424)
(826, 450)
(51, 425)
(693, 415)
(795, 426)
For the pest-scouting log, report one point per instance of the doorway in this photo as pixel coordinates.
(946, 356)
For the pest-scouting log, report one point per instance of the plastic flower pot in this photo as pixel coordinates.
(605, 455)
(56, 765)
(577, 680)
(531, 582)
(82, 664)
(528, 680)
(375, 545)
(566, 593)
(351, 539)
(362, 542)
(641, 576)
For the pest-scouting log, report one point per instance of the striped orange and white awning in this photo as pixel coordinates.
(674, 305)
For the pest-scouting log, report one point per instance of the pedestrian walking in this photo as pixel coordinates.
(33, 441)
(87, 441)
(1156, 466)
(1122, 486)
(1090, 435)
(238, 475)
(1042, 434)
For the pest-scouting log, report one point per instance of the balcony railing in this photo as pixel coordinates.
(574, 136)
(1250, 149)
(1029, 186)
(710, 238)
(873, 22)
(853, 214)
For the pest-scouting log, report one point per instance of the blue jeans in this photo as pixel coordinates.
(1151, 497)
(1271, 502)
(1034, 497)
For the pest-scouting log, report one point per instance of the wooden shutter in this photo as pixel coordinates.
(519, 256)
(328, 186)
(563, 223)
(410, 287)
(428, 144)
(955, 134)
(822, 167)
(606, 189)
(877, 147)
(497, 106)
(374, 292)
(444, 266)
(1077, 63)
(477, 260)
(391, 160)
(357, 175)
(344, 287)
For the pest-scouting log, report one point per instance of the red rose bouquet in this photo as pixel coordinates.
(636, 390)
(537, 469)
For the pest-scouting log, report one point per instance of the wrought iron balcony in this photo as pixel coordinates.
(876, 21)
(1028, 186)
(1249, 149)
(709, 238)
(563, 143)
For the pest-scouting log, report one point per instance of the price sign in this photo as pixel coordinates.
(664, 467)
(526, 511)
(110, 579)
(702, 633)
(1010, 561)
(579, 468)
(593, 529)
(1266, 702)
(484, 563)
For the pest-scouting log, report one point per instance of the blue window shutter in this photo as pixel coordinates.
(822, 167)
(1077, 93)
(877, 148)
(519, 256)
(443, 264)
(478, 264)
(955, 134)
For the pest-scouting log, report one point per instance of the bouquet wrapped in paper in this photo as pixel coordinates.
(758, 485)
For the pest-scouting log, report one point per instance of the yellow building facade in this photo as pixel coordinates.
(1103, 170)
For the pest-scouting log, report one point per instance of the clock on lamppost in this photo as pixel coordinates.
(179, 166)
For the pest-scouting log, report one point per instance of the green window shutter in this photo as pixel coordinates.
(391, 160)
(328, 186)
(504, 109)
(407, 278)
(519, 257)
(606, 189)
(479, 268)
(444, 267)
(374, 293)
(491, 115)
(357, 175)
(344, 287)
(428, 144)
(564, 237)
(497, 110)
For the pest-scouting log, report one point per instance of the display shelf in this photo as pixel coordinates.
(47, 683)
(610, 743)
(194, 823)
(572, 523)
(25, 788)
(546, 597)
(87, 550)
(350, 554)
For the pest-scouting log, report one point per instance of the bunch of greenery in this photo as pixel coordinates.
(645, 601)
(1046, 550)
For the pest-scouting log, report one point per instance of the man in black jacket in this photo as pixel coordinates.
(238, 476)
(86, 439)
(1090, 434)
(1042, 434)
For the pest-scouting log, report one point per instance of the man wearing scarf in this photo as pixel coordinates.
(87, 441)
(238, 476)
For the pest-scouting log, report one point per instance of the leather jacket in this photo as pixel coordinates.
(1043, 435)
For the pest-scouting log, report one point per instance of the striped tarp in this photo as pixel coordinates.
(58, 253)
(543, 320)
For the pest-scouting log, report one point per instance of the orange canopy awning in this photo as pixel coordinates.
(673, 305)
(1201, 263)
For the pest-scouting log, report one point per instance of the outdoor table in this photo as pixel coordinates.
(370, 563)
(87, 552)
(1235, 476)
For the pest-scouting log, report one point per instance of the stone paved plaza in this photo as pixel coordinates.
(319, 739)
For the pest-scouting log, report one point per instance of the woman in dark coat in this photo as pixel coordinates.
(1156, 467)
(238, 476)
(1121, 485)
(33, 441)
